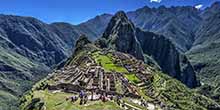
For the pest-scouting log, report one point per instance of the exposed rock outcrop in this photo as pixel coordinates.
(81, 42)
(120, 35)
(167, 56)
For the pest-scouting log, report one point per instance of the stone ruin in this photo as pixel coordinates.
(95, 82)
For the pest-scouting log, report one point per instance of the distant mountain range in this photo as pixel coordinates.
(31, 48)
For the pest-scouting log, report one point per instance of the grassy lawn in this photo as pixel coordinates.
(107, 63)
(133, 78)
(57, 101)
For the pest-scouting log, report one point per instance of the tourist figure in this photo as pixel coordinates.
(74, 98)
(105, 97)
(111, 97)
(118, 100)
(81, 95)
(102, 98)
(81, 102)
(85, 98)
(92, 95)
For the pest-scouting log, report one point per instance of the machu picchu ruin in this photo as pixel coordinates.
(104, 79)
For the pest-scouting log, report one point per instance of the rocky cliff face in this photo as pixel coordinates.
(162, 51)
(167, 56)
(123, 36)
(120, 35)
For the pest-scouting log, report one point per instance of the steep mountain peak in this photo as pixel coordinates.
(120, 15)
(83, 40)
(81, 44)
(118, 20)
(120, 35)
(121, 18)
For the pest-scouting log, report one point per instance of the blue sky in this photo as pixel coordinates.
(77, 11)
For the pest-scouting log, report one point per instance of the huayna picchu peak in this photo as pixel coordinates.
(120, 35)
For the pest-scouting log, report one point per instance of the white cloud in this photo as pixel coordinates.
(199, 6)
(158, 1)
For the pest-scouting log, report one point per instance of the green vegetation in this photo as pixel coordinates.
(19, 79)
(210, 91)
(15, 60)
(133, 78)
(107, 63)
(57, 101)
(174, 93)
(206, 61)
(142, 92)
(6, 100)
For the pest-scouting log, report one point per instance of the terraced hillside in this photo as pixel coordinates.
(102, 79)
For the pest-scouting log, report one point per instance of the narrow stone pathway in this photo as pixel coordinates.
(131, 106)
